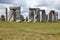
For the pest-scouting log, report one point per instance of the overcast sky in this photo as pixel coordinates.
(26, 4)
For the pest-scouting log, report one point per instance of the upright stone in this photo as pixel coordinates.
(34, 14)
(44, 17)
(37, 15)
(56, 16)
(53, 16)
(6, 15)
(14, 13)
(31, 15)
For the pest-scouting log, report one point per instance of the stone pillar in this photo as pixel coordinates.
(14, 13)
(37, 15)
(34, 14)
(52, 16)
(56, 16)
(31, 15)
(44, 16)
(6, 15)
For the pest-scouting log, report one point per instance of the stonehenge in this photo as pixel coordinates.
(35, 15)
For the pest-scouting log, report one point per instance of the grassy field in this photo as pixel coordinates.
(29, 31)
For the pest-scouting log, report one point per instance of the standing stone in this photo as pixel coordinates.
(31, 15)
(34, 15)
(37, 15)
(6, 14)
(53, 16)
(44, 17)
(56, 16)
(2, 18)
(13, 13)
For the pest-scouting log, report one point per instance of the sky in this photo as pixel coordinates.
(26, 4)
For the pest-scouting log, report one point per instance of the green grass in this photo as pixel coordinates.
(29, 31)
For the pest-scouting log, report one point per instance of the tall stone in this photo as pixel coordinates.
(53, 16)
(31, 15)
(14, 13)
(56, 16)
(37, 15)
(6, 14)
(34, 14)
(44, 17)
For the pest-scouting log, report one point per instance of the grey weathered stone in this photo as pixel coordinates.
(2, 18)
(31, 15)
(21, 18)
(26, 19)
(34, 14)
(43, 16)
(53, 16)
(13, 14)
(6, 14)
